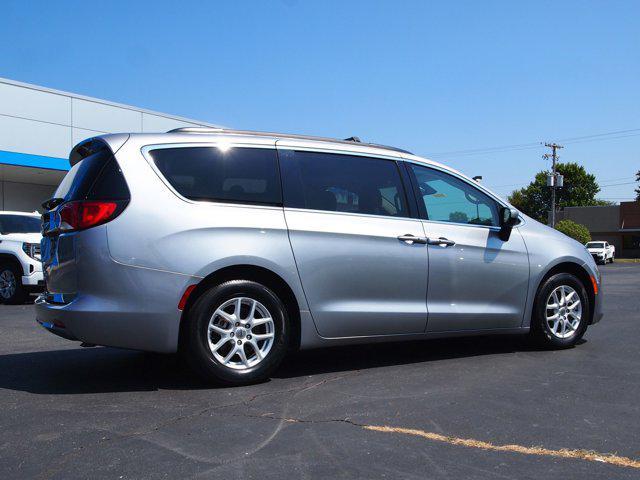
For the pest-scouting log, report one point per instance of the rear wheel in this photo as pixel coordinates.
(11, 289)
(237, 333)
(561, 312)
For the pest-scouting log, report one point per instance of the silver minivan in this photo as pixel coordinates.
(234, 247)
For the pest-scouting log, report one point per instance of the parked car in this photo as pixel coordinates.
(602, 252)
(233, 247)
(20, 267)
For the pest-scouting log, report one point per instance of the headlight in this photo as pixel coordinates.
(32, 249)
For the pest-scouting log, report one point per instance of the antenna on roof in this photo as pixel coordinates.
(353, 139)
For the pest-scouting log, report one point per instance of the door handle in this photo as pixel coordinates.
(443, 242)
(411, 239)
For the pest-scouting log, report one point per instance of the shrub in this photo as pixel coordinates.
(574, 230)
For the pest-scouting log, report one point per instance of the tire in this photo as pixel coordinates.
(11, 289)
(557, 334)
(213, 318)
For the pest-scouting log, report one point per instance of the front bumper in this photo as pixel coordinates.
(35, 279)
(598, 311)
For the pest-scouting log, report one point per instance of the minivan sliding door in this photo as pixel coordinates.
(362, 260)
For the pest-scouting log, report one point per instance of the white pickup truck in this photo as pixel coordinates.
(602, 252)
(20, 266)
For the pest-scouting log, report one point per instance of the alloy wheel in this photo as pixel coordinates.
(7, 284)
(241, 333)
(563, 311)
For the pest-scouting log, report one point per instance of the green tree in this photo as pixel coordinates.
(574, 230)
(580, 189)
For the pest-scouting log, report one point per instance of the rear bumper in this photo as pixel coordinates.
(109, 303)
(139, 311)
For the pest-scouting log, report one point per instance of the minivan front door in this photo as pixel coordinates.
(476, 280)
(362, 260)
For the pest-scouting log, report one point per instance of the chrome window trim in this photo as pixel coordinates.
(146, 149)
(351, 214)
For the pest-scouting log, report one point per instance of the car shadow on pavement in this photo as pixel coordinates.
(102, 369)
(361, 357)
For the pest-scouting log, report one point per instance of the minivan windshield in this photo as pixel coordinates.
(595, 245)
(19, 224)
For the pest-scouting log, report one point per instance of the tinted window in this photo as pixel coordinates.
(240, 175)
(96, 177)
(19, 224)
(449, 199)
(343, 183)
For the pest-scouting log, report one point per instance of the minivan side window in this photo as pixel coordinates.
(342, 183)
(449, 199)
(233, 175)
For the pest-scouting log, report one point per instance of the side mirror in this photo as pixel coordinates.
(508, 218)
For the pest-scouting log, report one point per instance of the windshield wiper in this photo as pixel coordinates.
(52, 203)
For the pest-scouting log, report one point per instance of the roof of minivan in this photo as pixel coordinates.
(207, 135)
(203, 134)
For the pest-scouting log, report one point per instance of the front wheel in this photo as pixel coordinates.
(237, 333)
(561, 312)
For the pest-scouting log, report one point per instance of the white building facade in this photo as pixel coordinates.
(39, 126)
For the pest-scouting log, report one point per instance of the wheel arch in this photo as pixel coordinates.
(579, 272)
(11, 259)
(255, 273)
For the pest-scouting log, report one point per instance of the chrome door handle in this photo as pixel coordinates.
(443, 242)
(411, 239)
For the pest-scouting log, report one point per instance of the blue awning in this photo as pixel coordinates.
(33, 161)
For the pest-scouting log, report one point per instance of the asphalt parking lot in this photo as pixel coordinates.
(416, 410)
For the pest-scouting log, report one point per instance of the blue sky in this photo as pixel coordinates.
(430, 76)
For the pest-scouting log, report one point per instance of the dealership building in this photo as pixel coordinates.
(39, 126)
(617, 224)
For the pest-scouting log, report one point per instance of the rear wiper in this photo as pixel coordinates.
(52, 203)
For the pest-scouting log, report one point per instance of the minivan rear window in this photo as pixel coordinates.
(233, 175)
(96, 177)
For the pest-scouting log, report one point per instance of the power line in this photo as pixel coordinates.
(618, 134)
(525, 183)
(600, 135)
(615, 184)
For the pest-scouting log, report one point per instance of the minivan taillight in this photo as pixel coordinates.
(82, 214)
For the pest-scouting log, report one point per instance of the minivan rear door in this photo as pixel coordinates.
(361, 257)
(94, 176)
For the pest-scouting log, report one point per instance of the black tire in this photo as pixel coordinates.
(10, 271)
(540, 329)
(199, 355)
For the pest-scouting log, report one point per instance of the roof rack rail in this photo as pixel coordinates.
(196, 130)
(350, 140)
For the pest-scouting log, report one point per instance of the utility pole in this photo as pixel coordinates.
(554, 179)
